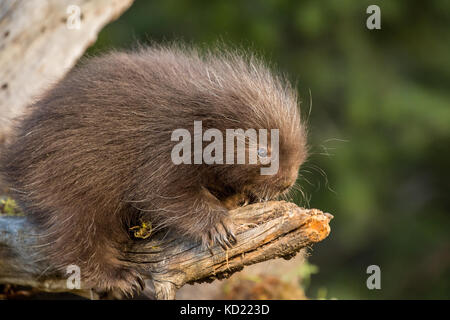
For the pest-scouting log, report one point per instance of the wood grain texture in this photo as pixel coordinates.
(265, 231)
(37, 47)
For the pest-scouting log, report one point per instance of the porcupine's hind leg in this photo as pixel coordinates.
(78, 236)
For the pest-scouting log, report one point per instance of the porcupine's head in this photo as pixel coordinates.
(238, 96)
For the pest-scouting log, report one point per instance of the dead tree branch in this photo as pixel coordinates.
(265, 231)
(40, 41)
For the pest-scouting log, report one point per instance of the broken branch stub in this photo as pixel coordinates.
(265, 231)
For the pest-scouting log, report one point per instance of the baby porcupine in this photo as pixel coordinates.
(93, 155)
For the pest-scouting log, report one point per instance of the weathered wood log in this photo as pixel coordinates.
(264, 231)
(40, 41)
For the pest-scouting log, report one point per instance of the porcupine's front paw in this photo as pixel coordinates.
(221, 232)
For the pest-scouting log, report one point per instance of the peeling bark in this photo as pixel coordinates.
(265, 231)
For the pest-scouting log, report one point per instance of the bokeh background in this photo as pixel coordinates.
(379, 116)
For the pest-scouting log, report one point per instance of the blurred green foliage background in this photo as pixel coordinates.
(379, 123)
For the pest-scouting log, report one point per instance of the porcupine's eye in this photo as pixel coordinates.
(264, 156)
(262, 152)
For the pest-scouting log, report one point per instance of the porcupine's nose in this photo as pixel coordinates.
(289, 181)
(285, 187)
(287, 184)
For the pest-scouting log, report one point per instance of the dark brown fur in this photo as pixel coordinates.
(92, 158)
